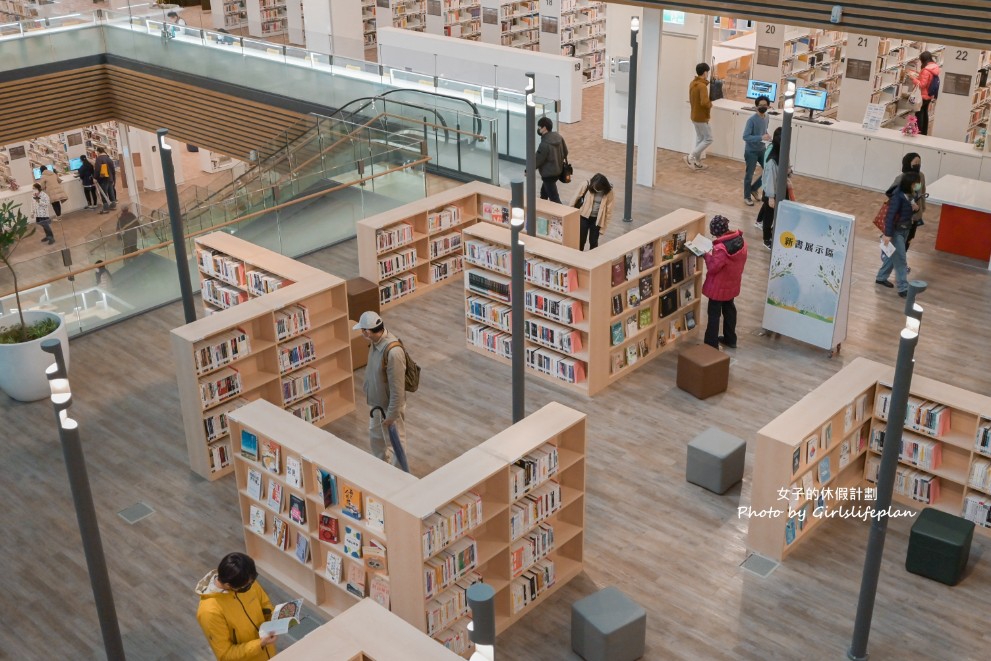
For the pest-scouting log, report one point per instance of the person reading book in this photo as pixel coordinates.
(233, 605)
(724, 273)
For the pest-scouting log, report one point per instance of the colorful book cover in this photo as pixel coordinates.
(618, 274)
(302, 547)
(824, 474)
(249, 445)
(691, 265)
(297, 509)
(294, 472)
(687, 294)
(617, 304)
(665, 277)
(379, 590)
(642, 346)
(631, 354)
(644, 318)
(631, 326)
(352, 542)
(667, 248)
(356, 580)
(646, 286)
(844, 454)
(680, 238)
(541, 226)
(848, 418)
(811, 449)
(351, 502)
(827, 435)
(661, 337)
(275, 495)
(374, 554)
(796, 460)
(271, 455)
(790, 531)
(280, 530)
(334, 566)
(326, 483)
(374, 514)
(690, 320)
(329, 529)
(633, 296)
(618, 362)
(631, 265)
(803, 515)
(254, 484)
(646, 256)
(257, 520)
(616, 333)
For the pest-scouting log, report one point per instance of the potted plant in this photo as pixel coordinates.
(22, 362)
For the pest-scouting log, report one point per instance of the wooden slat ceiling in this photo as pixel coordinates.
(951, 22)
(46, 104)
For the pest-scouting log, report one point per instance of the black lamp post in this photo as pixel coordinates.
(175, 221)
(631, 120)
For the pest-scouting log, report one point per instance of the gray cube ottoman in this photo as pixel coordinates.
(608, 626)
(715, 460)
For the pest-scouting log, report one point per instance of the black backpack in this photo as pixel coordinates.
(715, 89)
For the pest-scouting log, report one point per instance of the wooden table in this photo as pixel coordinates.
(965, 219)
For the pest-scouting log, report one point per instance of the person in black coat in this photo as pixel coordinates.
(86, 173)
(897, 225)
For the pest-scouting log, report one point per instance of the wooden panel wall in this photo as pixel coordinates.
(46, 104)
(957, 22)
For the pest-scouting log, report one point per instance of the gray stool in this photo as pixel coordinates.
(715, 460)
(608, 626)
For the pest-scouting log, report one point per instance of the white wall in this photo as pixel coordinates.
(334, 23)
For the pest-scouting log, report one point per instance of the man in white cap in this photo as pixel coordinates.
(385, 384)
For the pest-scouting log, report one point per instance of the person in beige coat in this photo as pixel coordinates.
(51, 184)
(594, 203)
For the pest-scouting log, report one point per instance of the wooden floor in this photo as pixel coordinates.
(673, 547)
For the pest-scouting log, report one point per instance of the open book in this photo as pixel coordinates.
(699, 245)
(284, 617)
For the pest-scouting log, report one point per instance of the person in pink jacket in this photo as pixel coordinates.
(924, 81)
(724, 272)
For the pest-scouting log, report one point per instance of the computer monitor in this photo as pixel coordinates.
(75, 163)
(37, 172)
(757, 88)
(812, 99)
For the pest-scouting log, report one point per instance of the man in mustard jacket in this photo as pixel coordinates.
(232, 607)
(698, 98)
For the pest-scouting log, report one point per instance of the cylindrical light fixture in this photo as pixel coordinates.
(481, 601)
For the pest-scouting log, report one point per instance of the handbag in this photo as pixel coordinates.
(881, 215)
(715, 89)
(566, 172)
(580, 202)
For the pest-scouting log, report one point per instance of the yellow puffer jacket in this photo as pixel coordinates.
(230, 620)
(585, 210)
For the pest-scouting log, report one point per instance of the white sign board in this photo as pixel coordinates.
(873, 116)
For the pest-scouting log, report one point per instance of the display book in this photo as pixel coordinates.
(591, 317)
(313, 508)
(945, 464)
(409, 250)
(455, 525)
(290, 347)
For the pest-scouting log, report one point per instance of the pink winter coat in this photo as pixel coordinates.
(724, 267)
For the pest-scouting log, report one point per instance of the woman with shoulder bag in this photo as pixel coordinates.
(912, 162)
(52, 185)
(897, 225)
(594, 203)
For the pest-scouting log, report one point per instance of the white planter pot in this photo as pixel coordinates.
(22, 366)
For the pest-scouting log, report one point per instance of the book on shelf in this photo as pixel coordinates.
(667, 248)
(689, 320)
(352, 542)
(280, 533)
(224, 349)
(643, 348)
(374, 555)
(302, 547)
(679, 241)
(646, 256)
(374, 514)
(334, 566)
(291, 321)
(275, 494)
(811, 448)
(215, 423)
(827, 435)
(665, 277)
(378, 590)
(220, 386)
(630, 265)
(531, 547)
(327, 483)
(356, 580)
(661, 337)
(451, 521)
(294, 472)
(844, 454)
(632, 354)
(644, 318)
(824, 474)
(632, 326)
(557, 307)
(617, 361)
(790, 530)
(329, 529)
(646, 287)
(271, 454)
(677, 271)
(669, 303)
(489, 284)
(808, 485)
(297, 509)
(284, 617)
(700, 245)
(351, 502)
(256, 519)
(618, 274)
(254, 484)
(551, 274)
(633, 296)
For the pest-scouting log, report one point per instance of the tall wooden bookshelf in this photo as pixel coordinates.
(409, 250)
(267, 18)
(290, 346)
(591, 317)
(232, 15)
(945, 459)
(519, 495)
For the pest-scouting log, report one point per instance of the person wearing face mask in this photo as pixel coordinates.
(594, 203)
(552, 152)
(769, 181)
(755, 135)
(42, 214)
(897, 224)
(912, 162)
(232, 607)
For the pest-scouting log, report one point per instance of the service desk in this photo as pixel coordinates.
(965, 217)
(70, 182)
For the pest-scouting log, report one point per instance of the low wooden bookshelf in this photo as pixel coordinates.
(509, 512)
(290, 347)
(591, 317)
(945, 460)
(411, 249)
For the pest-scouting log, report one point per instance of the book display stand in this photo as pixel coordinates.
(410, 249)
(289, 346)
(945, 460)
(591, 317)
(509, 512)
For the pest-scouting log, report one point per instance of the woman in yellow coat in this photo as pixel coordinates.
(594, 204)
(232, 607)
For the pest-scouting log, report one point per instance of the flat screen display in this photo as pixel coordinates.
(37, 173)
(810, 99)
(75, 163)
(757, 88)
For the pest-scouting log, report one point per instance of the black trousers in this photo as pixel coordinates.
(588, 230)
(548, 190)
(726, 309)
(57, 208)
(90, 191)
(766, 218)
(923, 116)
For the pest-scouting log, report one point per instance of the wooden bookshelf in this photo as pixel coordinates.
(596, 343)
(946, 468)
(425, 250)
(252, 351)
(576, 28)
(233, 15)
(486, 478)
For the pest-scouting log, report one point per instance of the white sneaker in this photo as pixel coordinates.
(689, 162)
(700, 166)
(748, 201)
(759, 225)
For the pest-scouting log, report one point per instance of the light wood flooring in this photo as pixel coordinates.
(671, 546)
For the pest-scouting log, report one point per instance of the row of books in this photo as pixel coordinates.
(444, 218)
(397, 262)
(220, 386)
(215, 424)
(533, 508)
(489, 284)
(220, 456)
(498, 342)
(394, 237)
(450, 522)
(921, 415)
(983, 442)
(225, 349)
(449, 565)
(395, 288)
(977, 509)
(456, 638)
(488, 256)
(532, 470)
(623, 358)
(914, 484)
(310, 409)
(635, 263)
(219, 265)
(524, 589)
(551, 229)
(261, 282)
(291, 321)
(634, 324)
(554, 364)
(221, 295)
(446, 268)
(555, 336)
(490, 312)
(495, 212)
(922, 453)
(442, 245)
(551, 275)
(532, 547)
(980, 475)
(297, 354)
(450, 605)
(559, 308)
(299, 385)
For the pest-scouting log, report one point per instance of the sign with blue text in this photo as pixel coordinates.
(808, 284)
